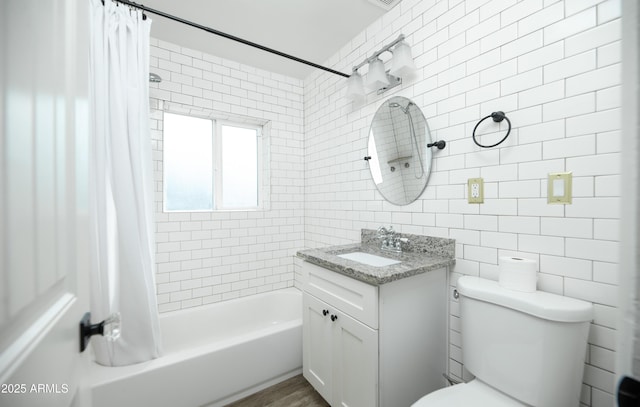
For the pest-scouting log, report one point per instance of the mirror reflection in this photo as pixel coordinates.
(400, 161)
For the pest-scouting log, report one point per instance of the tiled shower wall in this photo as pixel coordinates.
(205, 257)
(554, 68)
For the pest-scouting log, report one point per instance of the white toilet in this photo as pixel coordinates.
(523, 348)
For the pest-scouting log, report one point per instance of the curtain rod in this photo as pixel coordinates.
(228, 36)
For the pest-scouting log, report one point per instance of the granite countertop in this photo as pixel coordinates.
(423, 254)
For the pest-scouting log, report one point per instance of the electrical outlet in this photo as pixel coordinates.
(475, 190)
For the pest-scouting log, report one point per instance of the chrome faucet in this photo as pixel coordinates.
(390, 240)
(383, 235)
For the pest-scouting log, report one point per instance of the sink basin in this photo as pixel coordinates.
(369, 259)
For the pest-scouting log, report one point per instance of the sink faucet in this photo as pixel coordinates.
(390, 240)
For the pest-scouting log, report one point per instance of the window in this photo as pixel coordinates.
(238, 166)
(210, 164)
(187, 163)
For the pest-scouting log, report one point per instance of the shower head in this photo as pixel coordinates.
(405, 110)
(154, 77)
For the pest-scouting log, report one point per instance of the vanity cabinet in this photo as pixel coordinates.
(342, 357)
(374, 345)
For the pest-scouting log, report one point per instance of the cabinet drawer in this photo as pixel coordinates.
(353, 297)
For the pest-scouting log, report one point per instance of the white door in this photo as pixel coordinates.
(317, 363)
(355, 352)
(628, 355)
(43, 205)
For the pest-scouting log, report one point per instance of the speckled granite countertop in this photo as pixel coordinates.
(422, 254)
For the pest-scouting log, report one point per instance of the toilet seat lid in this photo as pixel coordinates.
(474, 393)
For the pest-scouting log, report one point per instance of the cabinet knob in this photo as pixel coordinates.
(334, 317)
(325, 312)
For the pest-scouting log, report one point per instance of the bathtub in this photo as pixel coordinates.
(212, 355)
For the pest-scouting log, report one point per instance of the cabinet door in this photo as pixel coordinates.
(355, 298)
(355, 352)
(317, 366)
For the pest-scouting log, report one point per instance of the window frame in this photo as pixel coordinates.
(216, 143)
(217, 165)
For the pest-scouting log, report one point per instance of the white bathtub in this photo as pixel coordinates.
(212, 355)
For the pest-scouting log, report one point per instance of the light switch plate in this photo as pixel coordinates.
(559, 185)
(475, 190)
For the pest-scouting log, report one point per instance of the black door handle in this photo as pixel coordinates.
(629, 392)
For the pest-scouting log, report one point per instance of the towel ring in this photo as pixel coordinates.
(497, 117)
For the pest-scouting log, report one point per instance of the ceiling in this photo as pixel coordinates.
(313, 30)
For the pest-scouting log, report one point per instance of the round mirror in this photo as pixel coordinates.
(400, 161)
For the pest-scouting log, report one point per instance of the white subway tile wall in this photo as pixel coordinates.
(205, 257)
(554, 68)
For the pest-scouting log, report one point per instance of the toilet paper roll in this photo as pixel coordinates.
(516, 273)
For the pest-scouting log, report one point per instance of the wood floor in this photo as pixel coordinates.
(294, 392)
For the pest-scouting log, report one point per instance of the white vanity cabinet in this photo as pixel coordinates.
(342, 358)
(366, 345)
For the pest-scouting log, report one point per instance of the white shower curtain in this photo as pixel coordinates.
(121, 190)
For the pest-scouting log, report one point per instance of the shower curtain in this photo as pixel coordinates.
(121, 195)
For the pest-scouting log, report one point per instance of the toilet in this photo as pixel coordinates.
(524, 349)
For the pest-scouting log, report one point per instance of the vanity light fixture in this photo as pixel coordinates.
(378, 77)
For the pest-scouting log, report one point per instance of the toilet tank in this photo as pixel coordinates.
(530, 346)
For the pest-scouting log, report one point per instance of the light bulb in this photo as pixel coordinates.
(377, 77)
(402, 63)
(355, 87)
